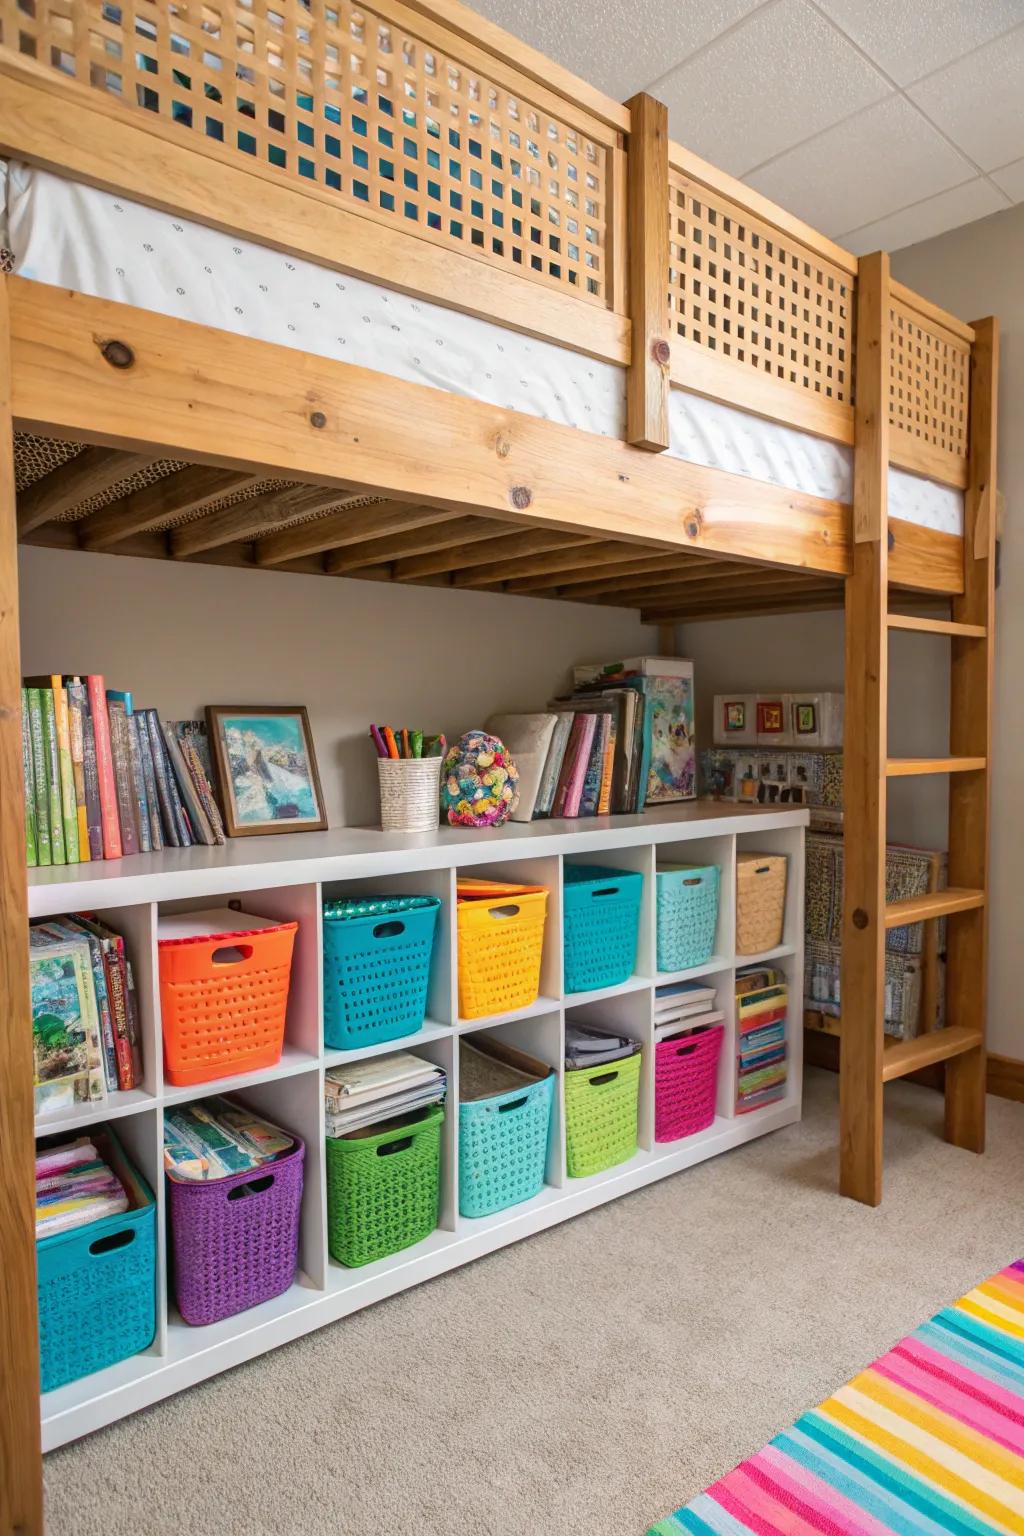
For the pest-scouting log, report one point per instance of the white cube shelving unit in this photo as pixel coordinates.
(288, 876)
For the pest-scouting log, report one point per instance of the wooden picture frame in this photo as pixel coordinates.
(240, 821)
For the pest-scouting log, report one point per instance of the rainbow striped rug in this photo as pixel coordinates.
(928, 1440)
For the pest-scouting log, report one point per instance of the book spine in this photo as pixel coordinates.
(77, 710)
(595, 769)
(134, 1034)
(574, 793)
(31, 836)
(156, 837)
(99, 976)
(35, 721)
(68, 808)
(52, 755)
(93, 813)
(204, 793)
(112, 847)
(120, 757)
(201, 831)
(140, 803)
(161, 768)
(179, 818)
(119, 1008)
(604, 800)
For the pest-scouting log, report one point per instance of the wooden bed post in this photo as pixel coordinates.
(864, 789)
(21, 1495)
(647, 383)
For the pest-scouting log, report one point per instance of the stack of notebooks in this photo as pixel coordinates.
(682, 1006)
(74, 1186)
(622, 740)
(364, 1094)
(589, 1046)
(216, 1138)
(760, 1037)
(85, 1019)
(104, 779)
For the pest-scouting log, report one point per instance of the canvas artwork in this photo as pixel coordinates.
(266, 769)
(672, 774)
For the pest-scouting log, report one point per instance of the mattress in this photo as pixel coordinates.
(62, 232)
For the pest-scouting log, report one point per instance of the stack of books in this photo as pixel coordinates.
(368, 1093)
(104, 779)
(683, 1006)
(85, 1018)
(761, 997)
(218, 1137)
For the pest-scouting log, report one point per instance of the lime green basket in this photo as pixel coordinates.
(601, 1115)
(383, 1190)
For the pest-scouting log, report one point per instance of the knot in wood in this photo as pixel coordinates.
(502, 447)
(317, 419)
(860, 918)
(520, 496)
(891, 541)
(691, 524)
(117, 353)
(661, 353)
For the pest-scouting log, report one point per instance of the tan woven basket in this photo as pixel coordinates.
(410, 793)
(760, 901)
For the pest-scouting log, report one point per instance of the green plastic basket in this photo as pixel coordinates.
(601, 1115)
(383, 1190)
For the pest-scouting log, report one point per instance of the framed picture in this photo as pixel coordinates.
(770, 717)
(734, 715)
(266, 770)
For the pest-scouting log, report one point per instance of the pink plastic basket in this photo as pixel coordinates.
(686, 1083)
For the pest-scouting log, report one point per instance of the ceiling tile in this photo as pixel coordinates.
(960, 205)
(863, 169)
(1011, 179)
(782, 75)
(979, 101)
(617, 45)
(915, 37)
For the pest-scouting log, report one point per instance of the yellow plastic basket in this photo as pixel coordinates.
(500, 945)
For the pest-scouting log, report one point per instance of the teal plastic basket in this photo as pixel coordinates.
(376, 968)
(687, 915)
(96, 1285)
(602, 922)
(503, 1148)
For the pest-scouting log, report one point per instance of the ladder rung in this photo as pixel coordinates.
(926, 1050)
(937, 626)
(918, 909)
(902, 767)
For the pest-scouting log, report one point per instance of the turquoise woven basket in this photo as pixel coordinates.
(376, 968)
(687, 916)
(503, 1148)
(602, 921)
(96, 1285)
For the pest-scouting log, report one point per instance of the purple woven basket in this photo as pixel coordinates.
(236, 1240)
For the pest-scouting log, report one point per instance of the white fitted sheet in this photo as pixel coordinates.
(73, 236)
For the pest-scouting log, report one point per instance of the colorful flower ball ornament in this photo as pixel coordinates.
(479, 782)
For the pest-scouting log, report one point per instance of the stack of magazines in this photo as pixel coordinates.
(74, 1186)
(761, 999)
(218, 1137)
(365, 1093)
(682, 1006)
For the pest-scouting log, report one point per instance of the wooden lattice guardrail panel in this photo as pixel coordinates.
(367, 108)
(748, 292)
(929, 382)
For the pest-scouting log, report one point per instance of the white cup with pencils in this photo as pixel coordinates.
(409, 770)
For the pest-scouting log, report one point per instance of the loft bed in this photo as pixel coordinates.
(386, 294)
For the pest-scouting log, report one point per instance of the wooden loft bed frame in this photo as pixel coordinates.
(589, 229)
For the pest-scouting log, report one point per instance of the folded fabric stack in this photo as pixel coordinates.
(682, 1006)
(761, 998)
(74, 1186)
(216, 1138)
(370, 1092)
(587, 1046)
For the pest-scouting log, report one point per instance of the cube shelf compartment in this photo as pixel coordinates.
(288, 877)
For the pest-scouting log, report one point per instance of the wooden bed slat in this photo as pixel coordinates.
(187, 490)
(571, 558)
(346, 526)
(443, 534)
(247, 519)
(89, 473)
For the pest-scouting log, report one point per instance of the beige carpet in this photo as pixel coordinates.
(587, 1380)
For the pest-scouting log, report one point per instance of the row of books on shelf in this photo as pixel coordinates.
(104, 779)
(761, 1004)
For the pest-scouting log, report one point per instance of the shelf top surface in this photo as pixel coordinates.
(343, 853)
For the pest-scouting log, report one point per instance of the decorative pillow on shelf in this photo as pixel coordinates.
(479, 782)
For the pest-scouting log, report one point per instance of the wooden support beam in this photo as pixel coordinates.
(504, 536)
(247, 519)
(752, 608)
(970, 733)
(698, 578)
(866, 730)
(345, 527)
(187, 490)
(89, 473)
(692, 601)
(924, 559)
(444, 534)
(21, 1476)
(536, 549)
(926, 626)
(647, 226)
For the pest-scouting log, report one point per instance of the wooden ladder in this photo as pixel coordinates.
(866, 1063)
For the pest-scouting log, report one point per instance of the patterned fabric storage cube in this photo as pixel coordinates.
(235, 1241)
(686, 1083)
(96, 1285)
(224, 979)
(760, 901)
(601, 1112)
(383, 1188)
(377, 956)
(500, 946)
(503, 1135)
(602, 924)
(687, 915)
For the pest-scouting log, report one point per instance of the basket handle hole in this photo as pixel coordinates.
(693, 880)
(686, 1050)
(510, 911)
(609, 890)
(232, 954)
(388, 930)
(253, 1187)
(113, 1241)
(763, 869)
(394, 1146)
(515, 1104)
(605, 1077)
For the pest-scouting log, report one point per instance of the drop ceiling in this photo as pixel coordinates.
(880, 122)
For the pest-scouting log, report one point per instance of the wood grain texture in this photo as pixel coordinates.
(647, 236)
(21, 1497)
(910, 767)
(925, 1050)
(89, 473)
(345, 527)
(918, 909)
(702, 372)
(926, 626)
(188, 490)
(870, 504)
(446, 534)
(248, 519)
(924, 559)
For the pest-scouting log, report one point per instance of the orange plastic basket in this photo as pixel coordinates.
(500, 945)
(223, 999)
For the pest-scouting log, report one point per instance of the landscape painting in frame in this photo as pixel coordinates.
(266, 768)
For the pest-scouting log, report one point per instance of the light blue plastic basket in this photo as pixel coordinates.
(376, 968)
(96, 1285)
(602, 920)
(503, 1148)
(687, 915)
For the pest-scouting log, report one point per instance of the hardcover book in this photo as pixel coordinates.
(78, 709)
(120, 754)
(109, 819)
(67, 1055)
(51, 755)
(138, 783)
(28, 774)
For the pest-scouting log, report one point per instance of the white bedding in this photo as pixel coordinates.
(64, 233)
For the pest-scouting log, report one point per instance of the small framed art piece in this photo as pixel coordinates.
(266, 769)
(770, 717)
